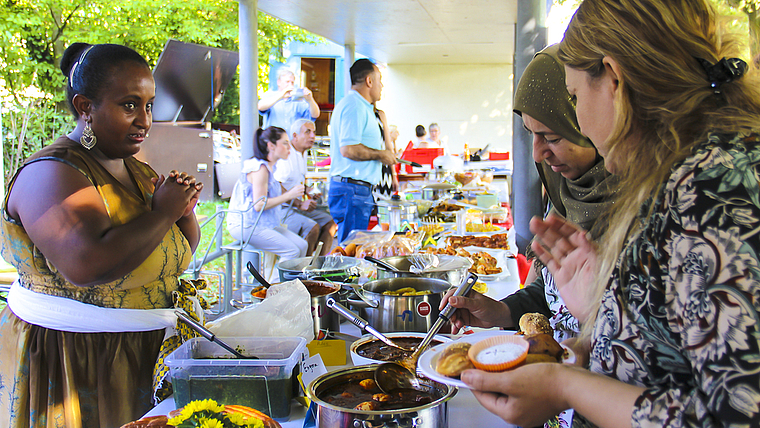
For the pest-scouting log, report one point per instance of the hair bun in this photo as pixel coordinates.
(71, 55)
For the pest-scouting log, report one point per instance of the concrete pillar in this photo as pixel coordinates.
(249, 65)
(348, 61)
(530, 37)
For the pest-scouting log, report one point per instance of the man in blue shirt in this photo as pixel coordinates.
(357, 150)
(287, 104)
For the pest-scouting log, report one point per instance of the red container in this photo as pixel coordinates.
(423, 157)
(498, 156)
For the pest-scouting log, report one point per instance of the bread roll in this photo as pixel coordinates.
(535, 323)
(539, 358)
(351, 250)
(453, 360)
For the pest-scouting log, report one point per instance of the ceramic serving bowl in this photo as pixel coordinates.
(367, 339)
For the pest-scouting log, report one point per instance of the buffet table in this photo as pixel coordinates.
(464, 409)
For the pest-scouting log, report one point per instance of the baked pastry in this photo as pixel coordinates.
(454, 360)
(535, 323)
(545, 344)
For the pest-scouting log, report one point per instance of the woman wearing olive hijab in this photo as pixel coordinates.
(578, 187)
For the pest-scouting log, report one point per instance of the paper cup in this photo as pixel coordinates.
(499, 353)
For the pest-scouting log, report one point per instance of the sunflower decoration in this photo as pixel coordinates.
(209, 414)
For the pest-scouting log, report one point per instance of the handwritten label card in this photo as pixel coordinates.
(312, 368)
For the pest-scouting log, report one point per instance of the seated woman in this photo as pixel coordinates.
(257, 180)
(99, 240)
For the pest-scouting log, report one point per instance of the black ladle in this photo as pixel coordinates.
(257, 275)
(402, 374)
(195, 325)
(382, 264)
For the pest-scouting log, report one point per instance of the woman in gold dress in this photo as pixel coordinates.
(99, 241)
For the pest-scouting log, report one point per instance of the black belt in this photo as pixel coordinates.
(352, 181)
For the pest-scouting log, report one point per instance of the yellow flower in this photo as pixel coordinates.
(211, 423)
(201, 405)
(239, 419)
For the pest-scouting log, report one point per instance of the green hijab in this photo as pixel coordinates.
(542, 94)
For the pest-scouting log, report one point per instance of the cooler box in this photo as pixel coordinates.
(423, 157)
(201, 369)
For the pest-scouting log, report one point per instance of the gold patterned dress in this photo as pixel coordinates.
(54, 378)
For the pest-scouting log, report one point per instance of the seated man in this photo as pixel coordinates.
(291, 172)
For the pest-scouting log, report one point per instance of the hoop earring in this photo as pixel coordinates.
(88, 138)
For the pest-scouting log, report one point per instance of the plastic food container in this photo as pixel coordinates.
(203, 370)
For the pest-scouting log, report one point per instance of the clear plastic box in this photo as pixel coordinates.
(204, 370)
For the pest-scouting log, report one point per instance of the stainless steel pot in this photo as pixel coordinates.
(431, 415)
(400, 313)
(325, 319)
(451, 268)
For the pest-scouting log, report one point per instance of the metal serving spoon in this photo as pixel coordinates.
(362, 324)
(402, 374)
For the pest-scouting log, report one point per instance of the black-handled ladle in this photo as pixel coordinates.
(195, 325)
(382, 264)
(257, 275)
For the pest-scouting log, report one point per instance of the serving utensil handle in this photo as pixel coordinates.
(443, 316)
(206, 333)
(343, 311)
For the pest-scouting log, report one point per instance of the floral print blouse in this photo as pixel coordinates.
(680, 316)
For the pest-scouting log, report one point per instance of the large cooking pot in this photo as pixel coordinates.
(325, 319)
(431, 415)
(336, 269)
(400, 313)
(450, 268)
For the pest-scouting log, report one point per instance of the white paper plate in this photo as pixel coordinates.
(428, 360)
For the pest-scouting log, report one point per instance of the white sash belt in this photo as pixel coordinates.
(62, 314)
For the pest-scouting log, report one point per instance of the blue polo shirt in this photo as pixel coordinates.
(353, 122)
(284, 112)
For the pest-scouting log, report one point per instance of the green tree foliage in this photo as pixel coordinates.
(36, 32)
(747, 19)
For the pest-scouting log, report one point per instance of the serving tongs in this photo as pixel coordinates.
(195, 325)
(402, 374)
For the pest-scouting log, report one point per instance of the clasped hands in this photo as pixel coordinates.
(178, 190)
